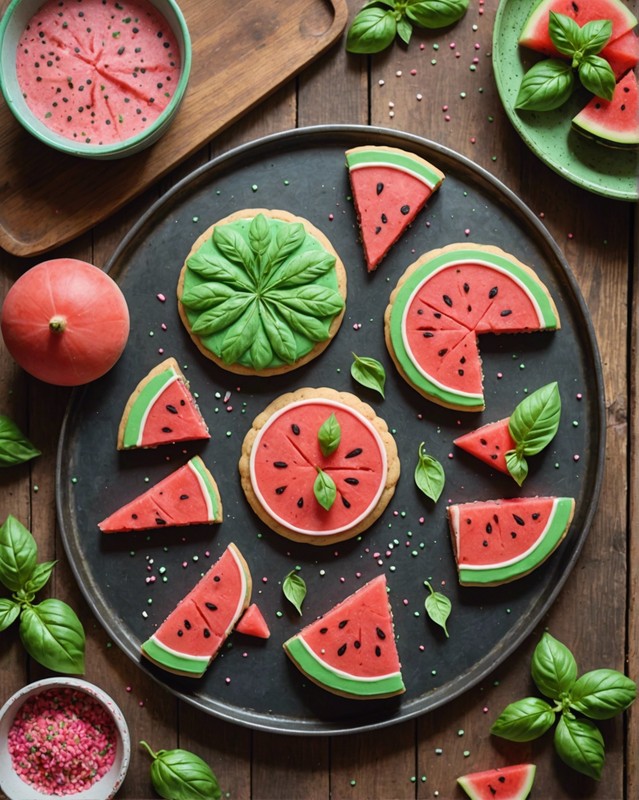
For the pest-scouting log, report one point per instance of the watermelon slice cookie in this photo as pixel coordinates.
(612, 122)
(262, 292)
(187, 496)
(193, 633)
(503, 783)
(498, 541)
(445, 300)
(319, 466)
(351, 650)
(390, 187)
(161, 409)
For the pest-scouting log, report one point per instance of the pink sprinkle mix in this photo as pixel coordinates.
(579, 395)
(575, 457)
(62, 741)
(161, 297)
(331, 217)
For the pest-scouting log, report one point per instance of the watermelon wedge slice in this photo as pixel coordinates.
(613, 122)
(351, 650)
(187, 496)
(160, 410)
(503, 783)
(193, 633)
(252, 623)
(489, 444)
(622, 54)
(390, 187)
(498, 541)
(444, 301)
(535, 33)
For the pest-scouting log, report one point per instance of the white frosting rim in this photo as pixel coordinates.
(349, 410)
(204, 489)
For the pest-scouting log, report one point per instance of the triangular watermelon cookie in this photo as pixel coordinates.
(613, 122)
(193, 633)
(498, 541)
(319, 466)
(351, 650)
(440, 305)
(502, 783)
(390, 187)
(187, 496)
(161, 410)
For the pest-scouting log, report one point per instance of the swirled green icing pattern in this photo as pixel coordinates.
(261, 292)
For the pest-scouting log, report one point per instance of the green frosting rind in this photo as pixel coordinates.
(555, 530)
(449, 396)
(362, 158)
(198, 465)
(323, 674)
(141, 404)
(302, 324)
(175, 662)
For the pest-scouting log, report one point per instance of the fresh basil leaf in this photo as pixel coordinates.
(53, 635)
(565, 33)
(234, 247)
(207, 295)
(240, 335)
(553, 667)
(317, 330)
(524, 720)
(259, 236)
(579, 744)
(324, 489)
(9, 612)
(261, 351)
(222, 316)
(329, 435)
(546, 86)
(299, 270)
(372, 30)
(596, 75)
(294, 588)
(595, 36)
(369, 372)
(429, 475)
(436, 13)
(182, 775)
(279, 334)
(39, 577)
(210, 265)
(517, 466)
(602, 693)
(535, 421)
(18, 554)
(318, 300)
(404, 30)
(438, 607)
(15, 448)
(286, 241)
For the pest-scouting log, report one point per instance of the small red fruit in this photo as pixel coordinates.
(65, 322)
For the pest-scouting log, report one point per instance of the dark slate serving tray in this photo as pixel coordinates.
(252, 682)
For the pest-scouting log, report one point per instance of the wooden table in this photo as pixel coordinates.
(596, 613)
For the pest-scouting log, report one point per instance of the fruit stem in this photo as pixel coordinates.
(151, 753)
(57, 324)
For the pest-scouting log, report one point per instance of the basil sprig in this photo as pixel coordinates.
(294, 588)
(369, 372)
(549, 83)
(438, 607)
(533, 425)
(429, 475)
(15, 448)
(182, 775)
(599, 694)
(329, 435)
(379, 21)
(324, 489)
(50, 631)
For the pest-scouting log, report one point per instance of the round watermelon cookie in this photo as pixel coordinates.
(161, 409)
(262, 292)
(318, 466)
(444, 301)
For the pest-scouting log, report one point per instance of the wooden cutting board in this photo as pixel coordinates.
(242, 51)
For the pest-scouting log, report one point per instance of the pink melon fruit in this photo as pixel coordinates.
(489, 444)
(252, 623)
(503, 783)
(613, 122)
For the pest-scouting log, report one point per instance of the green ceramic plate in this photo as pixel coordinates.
(603, 170)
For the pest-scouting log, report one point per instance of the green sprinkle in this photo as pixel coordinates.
(254, 187)
(228, 433)
(74, 480)
(575, 423)
(460, 732)
(195, 219)
(278, 614)
(466, 753)
(462, 95)
(353, 782)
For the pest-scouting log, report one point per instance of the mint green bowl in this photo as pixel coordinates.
(11, 28)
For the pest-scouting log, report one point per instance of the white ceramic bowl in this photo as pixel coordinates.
(103, 789)
(12, 26)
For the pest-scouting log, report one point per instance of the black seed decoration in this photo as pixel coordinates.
(296, 429)
(171, 409)
(447, 300)
(505, 313)
(180, 632)
(342, 624)
(280, 490)
(323, 630)
(384, 219)
(187, 624)
(535, 515)
(280, 464)
(460, 372)
(518, 520)
(342, 650)
(345, 502)
(378, 651)
(485, 543)
(134, 516)
(300, 502)
(352, 481)
(380, 633)
(513, 535)
(483, 441)
(184, 497)
(428, 334)
(207, 633)
(357, 644)
(379, 188)
(489, 528)
(211, 606)
(160, 521)
(462, 360)
(502, 779)
(442, 352)
(466, 288)
(354, 453)
(493, 292)
(378, 229)
(493, 456)
(166, 429)
(405, 210)
(217, 578)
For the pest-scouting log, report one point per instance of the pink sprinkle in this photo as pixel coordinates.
(185, 564)
(413, 72)
(206, 554)
(452, 45)
(541, 215)
(229, 408)
(444, 108)
(579, 395)
(466, 231)
(265, 579)
(421, 520)
(388, 553)
(358, 574)
(421, 647)
(396, 513)
(163, 326)
(477, 45)
(472, 140)
(422, 46)
(227, 681)
(485, 709)
(376, 555)
(405, 601)
(450, 455)
(226, 397)
(331, 217)
(161, 350)
(500, 375)
(161, 297)
(244, 655)
(575, 457)
(571, 235)
(141, 703)
(128, 689)
(342, 580)
(447, 118)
